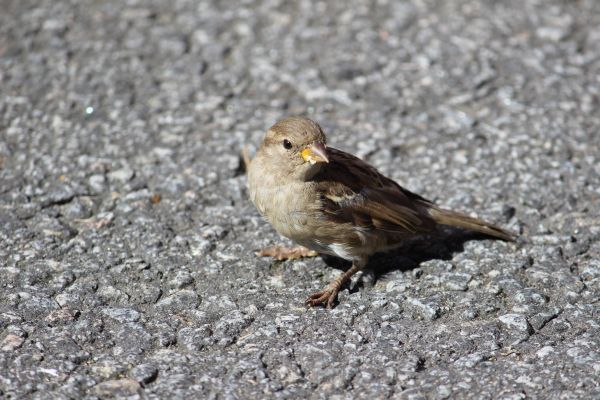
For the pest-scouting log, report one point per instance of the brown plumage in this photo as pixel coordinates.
(335, 203)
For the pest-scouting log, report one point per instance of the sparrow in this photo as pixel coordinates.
(334, 203)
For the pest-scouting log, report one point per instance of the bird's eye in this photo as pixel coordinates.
(287, 144)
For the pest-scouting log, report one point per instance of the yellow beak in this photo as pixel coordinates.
(315, 153)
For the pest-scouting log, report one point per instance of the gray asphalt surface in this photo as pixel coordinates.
(127, 264)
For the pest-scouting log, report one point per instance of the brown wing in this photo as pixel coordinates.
(353, 191)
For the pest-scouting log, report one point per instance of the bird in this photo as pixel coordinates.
(333, 203)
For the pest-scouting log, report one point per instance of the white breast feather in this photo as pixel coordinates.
(341, 251)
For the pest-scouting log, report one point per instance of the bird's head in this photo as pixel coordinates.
(295, 147)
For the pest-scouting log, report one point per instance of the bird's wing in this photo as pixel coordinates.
(353, 191)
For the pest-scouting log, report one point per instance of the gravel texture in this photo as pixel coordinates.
(127, 264)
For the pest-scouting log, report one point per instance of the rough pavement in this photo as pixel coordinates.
(127, 242)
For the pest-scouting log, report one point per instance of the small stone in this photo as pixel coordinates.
(137, 195)
(456, 281)
(11, 342)
(412, 394)
(493, 289)
(66, 299)
(251, 311)
(544, 351)
(60, 194)
(77, 209)
(559, 325)
(34, 305)
(111, 294)
(53, 227)
(181, 280)
(529, 296)
(539, 320)
(144, 373)
(166, 339)
(379, 303)
(121, 175)
(121, 314)
(97, 183)
(143, 293)
(131, 338)
(117, 388)
(551, 33)
(194, 339)
(437, 264)
(178, 301)
(288, 374)
(61, 315)
(470, 314)
(232, 324)
(9, 318)
(516, 322)
(427, 310)
(469, 361)
(444, 391)
(590, 271)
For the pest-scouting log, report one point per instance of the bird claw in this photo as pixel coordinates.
(286, 253)
(326, 296)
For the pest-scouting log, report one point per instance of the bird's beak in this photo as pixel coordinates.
(315, 153)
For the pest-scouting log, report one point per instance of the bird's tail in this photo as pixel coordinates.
(453, 218)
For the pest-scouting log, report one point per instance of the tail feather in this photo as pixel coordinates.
(453, 218)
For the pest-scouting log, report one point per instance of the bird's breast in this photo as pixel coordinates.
(287, 207)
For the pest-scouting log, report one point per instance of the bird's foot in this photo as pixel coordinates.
(326, 296)
(279, 252)
(329, 294)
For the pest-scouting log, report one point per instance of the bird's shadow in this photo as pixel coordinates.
(413, 252)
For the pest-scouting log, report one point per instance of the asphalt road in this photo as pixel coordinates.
(127, 241)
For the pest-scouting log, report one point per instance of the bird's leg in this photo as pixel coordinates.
(279, 252)
(329, 294)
